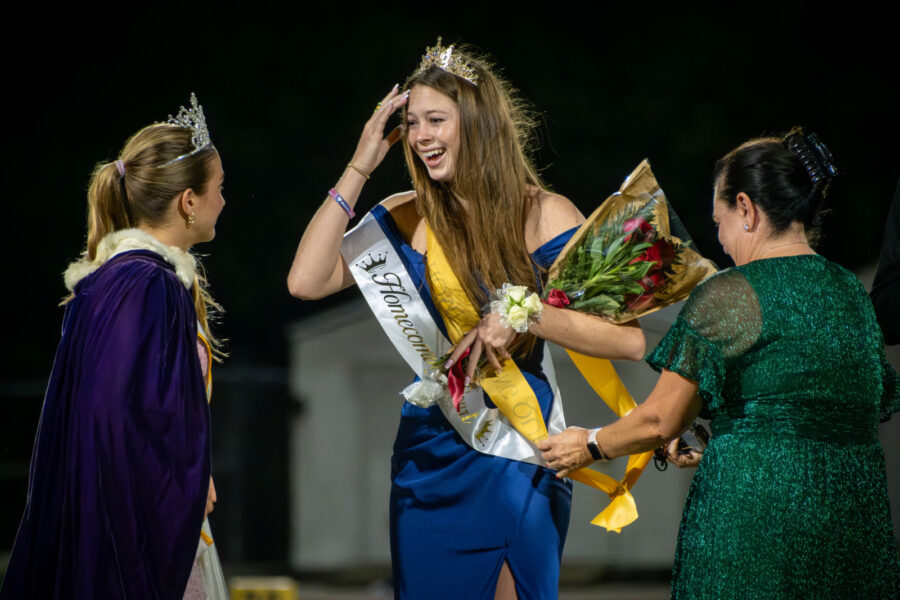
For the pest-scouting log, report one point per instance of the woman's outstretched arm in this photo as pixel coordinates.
(669, 410)
(590, 335)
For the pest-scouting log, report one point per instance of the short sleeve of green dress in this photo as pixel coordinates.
(718, 323)
(790, 499)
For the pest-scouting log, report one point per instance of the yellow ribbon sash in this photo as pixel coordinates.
(206, 369)
(605, 382)
(510, 391)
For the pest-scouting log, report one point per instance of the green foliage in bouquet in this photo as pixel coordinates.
(625, 261)
(619, 263)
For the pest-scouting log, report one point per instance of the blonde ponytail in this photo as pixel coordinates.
(107, 206)
(157, 164)
(207, 309)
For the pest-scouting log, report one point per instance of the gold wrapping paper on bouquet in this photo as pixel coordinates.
(640, 204)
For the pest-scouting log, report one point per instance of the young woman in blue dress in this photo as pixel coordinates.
(466, 524)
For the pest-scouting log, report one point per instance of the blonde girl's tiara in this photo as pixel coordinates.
(191, 118)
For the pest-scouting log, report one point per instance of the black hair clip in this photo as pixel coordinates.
(814, 155)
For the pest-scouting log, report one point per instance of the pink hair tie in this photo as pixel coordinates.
(120, 167)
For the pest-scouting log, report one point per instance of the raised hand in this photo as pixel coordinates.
(318, 269)
(373, 144)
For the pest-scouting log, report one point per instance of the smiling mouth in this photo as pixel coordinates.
(432, 157)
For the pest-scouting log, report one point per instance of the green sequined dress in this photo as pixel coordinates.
(790, 499)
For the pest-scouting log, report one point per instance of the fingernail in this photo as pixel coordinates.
(396, 85)
(449, 363)
(468, 380)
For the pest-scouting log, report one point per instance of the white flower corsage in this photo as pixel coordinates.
(517, 309)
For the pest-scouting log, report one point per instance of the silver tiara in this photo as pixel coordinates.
(191, 118)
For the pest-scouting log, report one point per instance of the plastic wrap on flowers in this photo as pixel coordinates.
(631, 257)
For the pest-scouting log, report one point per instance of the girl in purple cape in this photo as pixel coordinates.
(120, 472)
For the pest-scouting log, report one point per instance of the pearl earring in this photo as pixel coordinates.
(746, 227)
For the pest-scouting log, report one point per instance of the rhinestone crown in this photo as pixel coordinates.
(444, 59)
(191, 118)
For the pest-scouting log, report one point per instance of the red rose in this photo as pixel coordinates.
(650, 255)
(652, 281)
(558, 299)
(640, 224)
(666, 252)
(661, 253)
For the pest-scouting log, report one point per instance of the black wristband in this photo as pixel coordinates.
(593, 447)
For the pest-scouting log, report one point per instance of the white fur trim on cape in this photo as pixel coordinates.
(124, 240)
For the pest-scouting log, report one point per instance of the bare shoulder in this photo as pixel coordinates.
(552, 215)
(400, 199)
(406, 216)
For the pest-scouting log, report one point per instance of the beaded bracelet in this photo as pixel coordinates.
(341, 202)
(517, 309)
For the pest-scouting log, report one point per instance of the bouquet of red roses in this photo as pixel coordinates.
(631, 257)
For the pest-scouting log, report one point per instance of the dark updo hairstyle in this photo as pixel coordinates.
(786, 177)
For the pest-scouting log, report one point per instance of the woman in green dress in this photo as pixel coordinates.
(784, 355)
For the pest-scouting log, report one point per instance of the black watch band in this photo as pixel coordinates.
(593, 448)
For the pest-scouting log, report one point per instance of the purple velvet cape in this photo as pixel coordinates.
(120, 467)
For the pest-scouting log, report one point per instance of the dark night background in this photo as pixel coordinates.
(286, 93)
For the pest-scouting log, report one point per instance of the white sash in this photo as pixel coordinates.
(375, 264)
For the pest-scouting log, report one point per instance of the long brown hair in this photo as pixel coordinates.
(495, 177)
(143, 194)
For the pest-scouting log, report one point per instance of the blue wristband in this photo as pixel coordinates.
(341, 202)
